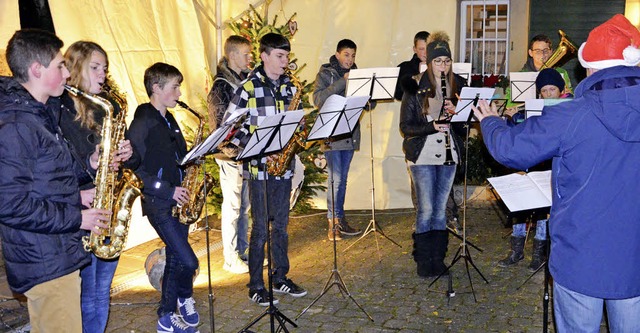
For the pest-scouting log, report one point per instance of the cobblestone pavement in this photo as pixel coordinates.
(379, 276)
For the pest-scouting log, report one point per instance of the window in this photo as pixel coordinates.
(484, 35)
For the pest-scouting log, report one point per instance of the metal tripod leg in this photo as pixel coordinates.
(335, 275)
(373, 228)
(337, 281)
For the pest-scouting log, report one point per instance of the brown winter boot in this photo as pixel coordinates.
(337, 229)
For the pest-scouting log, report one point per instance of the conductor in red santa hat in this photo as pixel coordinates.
(594, 141)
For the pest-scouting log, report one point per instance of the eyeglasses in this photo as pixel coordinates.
(543, 51)
(439, 62)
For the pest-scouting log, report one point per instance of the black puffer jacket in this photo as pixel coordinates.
(408, 69)
(39, 198)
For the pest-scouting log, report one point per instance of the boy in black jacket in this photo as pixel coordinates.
(155, 134)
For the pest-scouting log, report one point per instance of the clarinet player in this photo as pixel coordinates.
(425, 147)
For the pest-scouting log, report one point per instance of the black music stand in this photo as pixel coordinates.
(195, 155)
(272, 135)
(464, 106)
(334, 120)
(378, 84)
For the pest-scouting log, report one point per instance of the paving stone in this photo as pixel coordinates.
(380, 276)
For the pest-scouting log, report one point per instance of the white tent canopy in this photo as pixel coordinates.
(136, 34)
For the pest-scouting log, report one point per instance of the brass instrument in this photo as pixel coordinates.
(113, 194)
(565, 48)
(278, 166)
(198, 188)
(448, 154)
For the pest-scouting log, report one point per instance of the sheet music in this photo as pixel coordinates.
(533, 107)
(384, 84)
(272, 134)
(524, 191)
(463, 69)
(235, 115)
(329, 121)
(523, 85)
(209, 145)
(467, 96)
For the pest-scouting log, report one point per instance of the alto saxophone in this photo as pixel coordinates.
(198, 188)
(278, 166)
(113, 194)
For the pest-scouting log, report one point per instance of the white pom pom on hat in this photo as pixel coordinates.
(616, 42)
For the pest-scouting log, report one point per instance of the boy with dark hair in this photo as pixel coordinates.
(266, 92)
(412, 67)
(234, 224)
(40, 202)
(332, 79)
(155, 134)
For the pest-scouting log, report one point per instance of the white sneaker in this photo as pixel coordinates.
(236, 266)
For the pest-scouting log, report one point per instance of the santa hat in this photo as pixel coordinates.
(613, 43)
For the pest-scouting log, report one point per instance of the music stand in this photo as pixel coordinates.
(272, 135)
(464, 111)
(377, 84)
(523, 85)
(206, 147)
(339, 115)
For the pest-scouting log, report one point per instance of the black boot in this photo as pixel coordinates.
(440, 245)
(539, 255)
(421, 254)
(516, 254)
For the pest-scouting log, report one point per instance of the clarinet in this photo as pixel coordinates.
(447, 141)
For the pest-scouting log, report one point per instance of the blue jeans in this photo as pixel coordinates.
(432, 186)
(275, 205)
(575, 312)
(520, 230)
(96, 292)
(338, 162)
(235, 210)
(181, 262)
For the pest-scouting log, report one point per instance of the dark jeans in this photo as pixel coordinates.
(181, 262)
(276, 205)
(96, 293)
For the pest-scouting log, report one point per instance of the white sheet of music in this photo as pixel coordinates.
(384, 85)
(467, 95)
(521, 191)
(326, 123)
(280, 126)
(523, 85)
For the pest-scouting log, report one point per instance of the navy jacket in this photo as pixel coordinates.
(39, 197)
(594, 141)
(160, 143)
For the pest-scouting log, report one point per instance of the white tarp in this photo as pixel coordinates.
(182, 32)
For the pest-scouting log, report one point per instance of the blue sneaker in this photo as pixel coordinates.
(172, 323)
(187, 309)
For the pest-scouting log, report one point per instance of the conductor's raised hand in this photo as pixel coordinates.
(485, 109)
